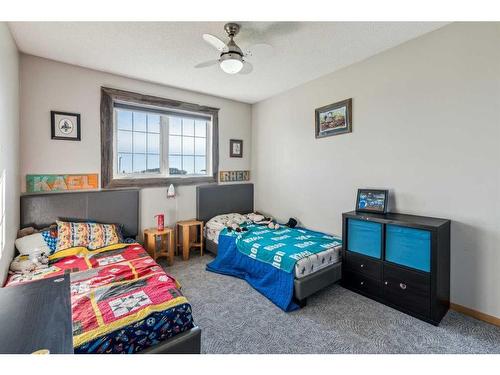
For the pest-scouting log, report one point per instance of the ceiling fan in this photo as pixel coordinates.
(232, 58)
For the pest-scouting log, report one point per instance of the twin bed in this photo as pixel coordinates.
(311, 273)
(121, 299)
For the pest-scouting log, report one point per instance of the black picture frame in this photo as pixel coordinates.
(347, 128)
(53, 135)
(362, 192)
(232, 143)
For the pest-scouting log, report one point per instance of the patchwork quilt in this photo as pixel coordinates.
(121, 299)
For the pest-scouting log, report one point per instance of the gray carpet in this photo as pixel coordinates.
(235, 318)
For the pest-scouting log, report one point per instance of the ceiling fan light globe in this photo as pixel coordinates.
(231, 66)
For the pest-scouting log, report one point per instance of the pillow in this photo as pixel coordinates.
(90, 235)
(31, 244)
(256, 218)
(221, 221)
(72, 235)
(50, 237)
(102, 235)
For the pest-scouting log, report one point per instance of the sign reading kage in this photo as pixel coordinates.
(37, 183)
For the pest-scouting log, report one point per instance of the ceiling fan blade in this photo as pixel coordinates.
(247, 68)
(214, 42)
(260, 50)
(206, 63)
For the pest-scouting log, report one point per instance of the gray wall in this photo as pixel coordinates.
(9, 147)
(48, 85)
(426, 124)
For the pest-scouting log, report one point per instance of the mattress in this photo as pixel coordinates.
(304, 267)
(121, 299)
(315, 262)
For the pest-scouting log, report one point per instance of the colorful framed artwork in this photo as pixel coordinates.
(233, 176)
(370, 200)
(65, 126)
(235, 148)
(334, 119)
(42, 183)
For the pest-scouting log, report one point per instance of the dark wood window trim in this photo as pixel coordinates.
(111, 96)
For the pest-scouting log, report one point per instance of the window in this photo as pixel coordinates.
(141, 135)
(187, 146)
(137, 142)
(156, 141)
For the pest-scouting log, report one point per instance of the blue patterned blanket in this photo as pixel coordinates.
(268, 280)
(265, 258)
(281, 248)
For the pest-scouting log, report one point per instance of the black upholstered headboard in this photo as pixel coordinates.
(103, 206)
(213, 200)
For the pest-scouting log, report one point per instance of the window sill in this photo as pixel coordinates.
(158, 181)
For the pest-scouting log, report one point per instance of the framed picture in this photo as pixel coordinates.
(370, 200)
(334, 119)
(65, 126)
(235, 148)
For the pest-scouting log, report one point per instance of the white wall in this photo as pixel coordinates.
(48, 85)
(9, 146)
(426, 124)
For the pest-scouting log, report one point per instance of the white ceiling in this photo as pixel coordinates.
(165, 52)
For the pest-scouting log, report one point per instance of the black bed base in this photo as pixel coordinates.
(211, 246)
(188, 342)
(305, 286)
(301, 302)
(310, 284)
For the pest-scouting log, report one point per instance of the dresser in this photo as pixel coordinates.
(400, 260)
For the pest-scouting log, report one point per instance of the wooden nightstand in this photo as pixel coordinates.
(167, 236)
(190, 237)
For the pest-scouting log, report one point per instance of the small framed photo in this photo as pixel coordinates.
(334, 119)
(65, 126)
(370, 200)
(235, 148)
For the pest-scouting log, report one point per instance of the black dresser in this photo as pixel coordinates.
(400, 260)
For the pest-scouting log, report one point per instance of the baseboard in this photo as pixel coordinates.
(476, 314)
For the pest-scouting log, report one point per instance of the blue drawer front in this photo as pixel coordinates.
(409, 247)
(364, 237)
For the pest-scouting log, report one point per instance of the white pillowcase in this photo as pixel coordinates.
(32, 244)
(216, 224)
(221, 221)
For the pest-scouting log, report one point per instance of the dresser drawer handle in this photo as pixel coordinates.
(362, 283)
(386, 283)
(362, 265)
(402, 286)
